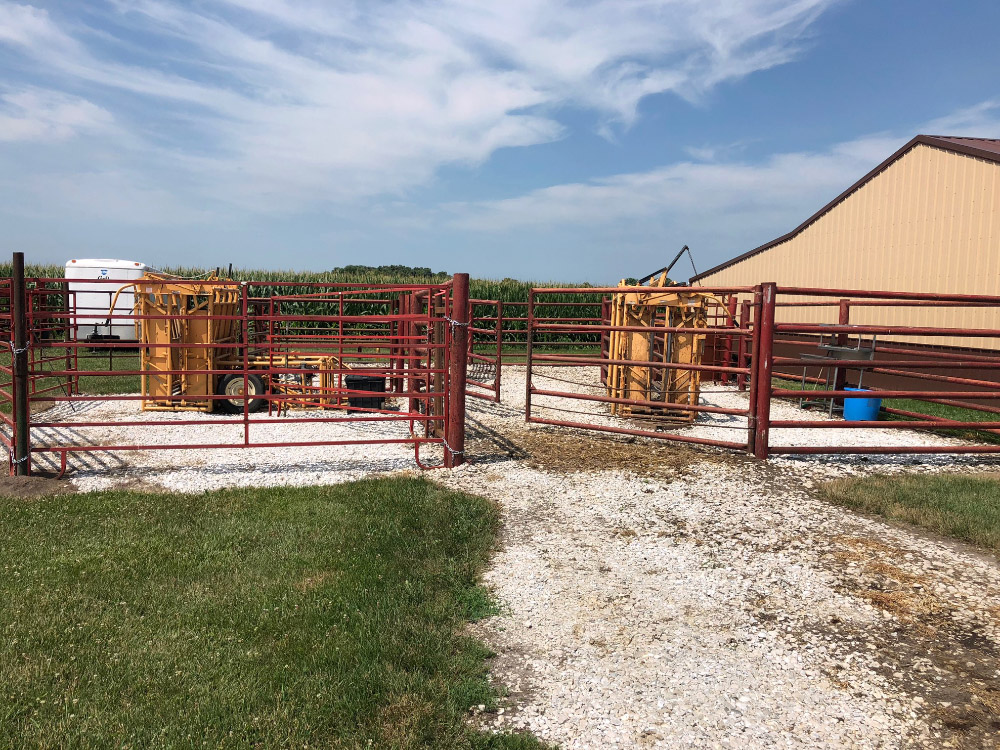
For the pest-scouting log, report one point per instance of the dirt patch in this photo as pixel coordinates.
(27, 488)
(948, 665)
(572, 451)
(508, 658)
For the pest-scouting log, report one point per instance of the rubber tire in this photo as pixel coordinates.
(254, 382)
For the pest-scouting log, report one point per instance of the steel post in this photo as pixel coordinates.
(765, 359)
(843, 339)
(19, 365)
(758, 297)
(499, 369)
(459, 354)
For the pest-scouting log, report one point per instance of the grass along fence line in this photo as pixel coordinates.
(963, 506)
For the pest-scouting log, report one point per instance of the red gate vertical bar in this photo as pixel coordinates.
(245, 322)
(843, 339)
(19, 366)
(459, 354)
(605, 336)
(67, 330)
(765, 363)
(527, 355)
(741, 379)
(396, 346)
(269, 390)
(754, 355)
(496, 382)
(414, 358)
(727, 347)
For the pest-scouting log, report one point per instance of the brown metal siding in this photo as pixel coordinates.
(930, 222)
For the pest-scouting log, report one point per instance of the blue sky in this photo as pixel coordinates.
(578, 140)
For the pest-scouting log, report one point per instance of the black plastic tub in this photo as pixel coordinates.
(373, 383)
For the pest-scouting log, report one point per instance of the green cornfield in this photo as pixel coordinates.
(509, 291)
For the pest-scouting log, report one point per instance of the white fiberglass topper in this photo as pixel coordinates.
(92, 287)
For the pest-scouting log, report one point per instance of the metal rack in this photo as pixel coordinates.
(835, 348)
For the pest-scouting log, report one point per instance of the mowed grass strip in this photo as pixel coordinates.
(313, 617)
(962, 506)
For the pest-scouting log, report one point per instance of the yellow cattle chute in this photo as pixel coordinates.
(184, 325)
(189, 328)
(634, 353)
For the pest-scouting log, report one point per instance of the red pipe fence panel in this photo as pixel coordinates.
(429, 346)
(318, 348)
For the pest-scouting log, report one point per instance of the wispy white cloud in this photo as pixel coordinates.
(715, 193)
(38, 115)
(694, 190)
(272, 105)
(978, 121)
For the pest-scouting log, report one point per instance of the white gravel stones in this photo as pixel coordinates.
(723, 606)
(733, 428)
(185, 470)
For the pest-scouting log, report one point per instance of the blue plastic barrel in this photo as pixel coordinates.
(861, 409)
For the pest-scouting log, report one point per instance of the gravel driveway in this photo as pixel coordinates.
(698, 599)
(659, 596)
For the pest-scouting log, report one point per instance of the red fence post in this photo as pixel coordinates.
(763, 369)
(754, 357)
(459, 355)
(19, 366)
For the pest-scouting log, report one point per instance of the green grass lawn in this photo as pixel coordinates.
(316, 617)
(965, 507)
(89, 361)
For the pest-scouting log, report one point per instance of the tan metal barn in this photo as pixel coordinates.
(927, 219)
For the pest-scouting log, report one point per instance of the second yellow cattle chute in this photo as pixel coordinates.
(634, 354)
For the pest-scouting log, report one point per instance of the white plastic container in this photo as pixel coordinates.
(92, 301)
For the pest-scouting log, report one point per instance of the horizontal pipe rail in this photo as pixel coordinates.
(868, 294)
(639, 402)
(640, 329)
(834, 424)
(887, 394)
(887, 330)
(642, 289)
(639, 433)
(637, 363)
(870, 363)
(882, 449)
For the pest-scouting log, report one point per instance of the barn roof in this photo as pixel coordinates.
(982, 148)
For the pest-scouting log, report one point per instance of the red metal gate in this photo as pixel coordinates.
(485, 349)
(331, 350)
(558, 336)
(757, 342)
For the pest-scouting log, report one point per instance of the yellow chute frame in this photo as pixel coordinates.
(658, 307)
(196, 304)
